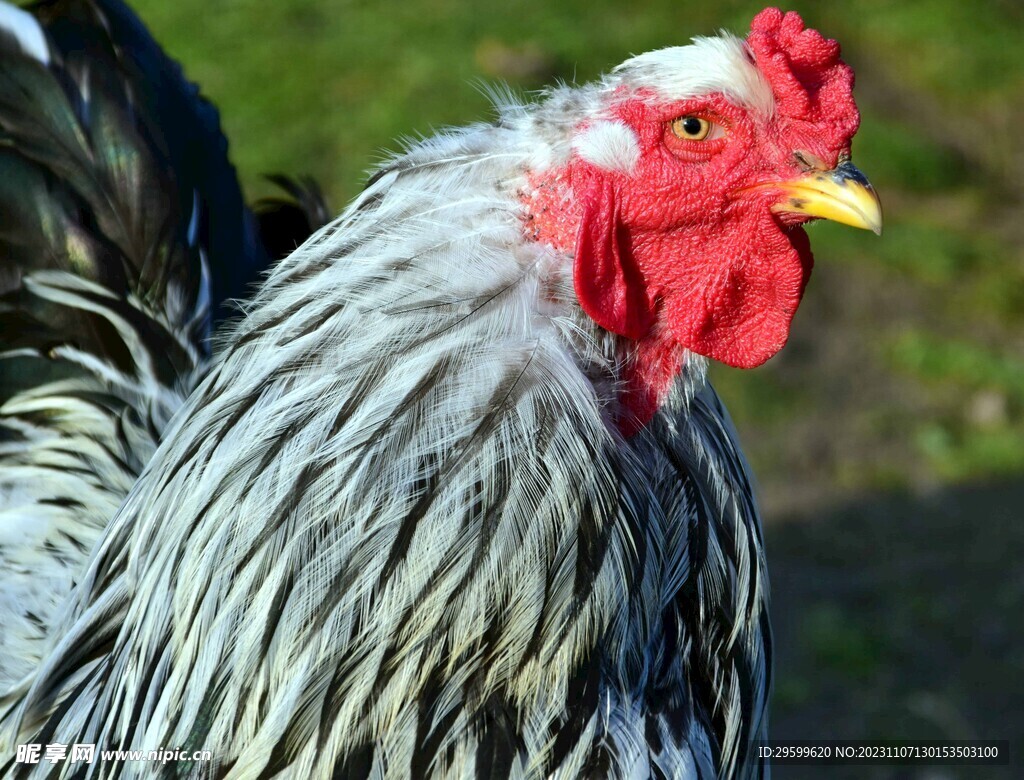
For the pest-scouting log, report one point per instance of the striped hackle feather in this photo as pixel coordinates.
(395, 533)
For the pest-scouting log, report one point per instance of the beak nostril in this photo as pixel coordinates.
(808, 162)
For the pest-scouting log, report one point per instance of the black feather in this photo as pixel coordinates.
(179, 121)
(285, 222)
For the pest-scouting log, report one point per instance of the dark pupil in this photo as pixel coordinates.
(691, 125)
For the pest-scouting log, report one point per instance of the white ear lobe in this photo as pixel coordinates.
(609, 144)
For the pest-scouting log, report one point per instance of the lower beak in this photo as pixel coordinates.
(842, 194)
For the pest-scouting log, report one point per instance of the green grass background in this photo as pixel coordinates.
(902, 389)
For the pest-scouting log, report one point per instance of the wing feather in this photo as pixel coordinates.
(106, 292)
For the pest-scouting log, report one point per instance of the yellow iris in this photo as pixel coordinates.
(691, 128)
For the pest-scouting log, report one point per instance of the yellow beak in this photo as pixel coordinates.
(842, 194)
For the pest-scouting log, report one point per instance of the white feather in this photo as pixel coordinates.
(710, 65)
(609, 144)
(26, 31)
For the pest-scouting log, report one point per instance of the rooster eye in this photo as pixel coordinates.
(691, 128)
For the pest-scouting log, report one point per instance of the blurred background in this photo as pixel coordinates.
(888, 437)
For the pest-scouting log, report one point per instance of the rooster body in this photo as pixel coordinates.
(456, 499)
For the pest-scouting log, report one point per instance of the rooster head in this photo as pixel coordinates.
(683, 196)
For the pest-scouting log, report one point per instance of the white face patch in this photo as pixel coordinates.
(709, 65)
(609, 144)
(26, 30)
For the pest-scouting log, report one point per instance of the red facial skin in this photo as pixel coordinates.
(678, 254)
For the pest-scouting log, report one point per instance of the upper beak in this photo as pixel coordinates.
(842, 194)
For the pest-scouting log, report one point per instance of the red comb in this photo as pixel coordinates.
(808, 78)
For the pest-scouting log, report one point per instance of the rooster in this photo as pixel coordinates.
(455, 498)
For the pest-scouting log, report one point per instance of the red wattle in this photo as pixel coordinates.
(609, 286)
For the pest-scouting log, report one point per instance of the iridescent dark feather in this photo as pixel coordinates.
(114, 169)
(181, 126)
